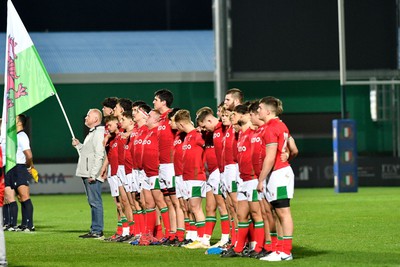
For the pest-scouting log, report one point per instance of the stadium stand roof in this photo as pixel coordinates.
(135, 56)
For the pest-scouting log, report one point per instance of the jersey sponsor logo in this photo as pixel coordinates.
(216, 135)
(146, 142)
(186, 147)
(255, 140)
(138, 142)
(177, 142)
(242, 148)
(114, 145)
(126, 147)
(161, 127)
(227, 135)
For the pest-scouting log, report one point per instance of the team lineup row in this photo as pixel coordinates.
(160, 166)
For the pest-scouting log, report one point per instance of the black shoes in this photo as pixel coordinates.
(257, 255)
(230, 253)
(24, 228)
(93, 235)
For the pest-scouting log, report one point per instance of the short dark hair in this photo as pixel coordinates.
(145, 107)
(110, 102)
(165, 95)
(253, 107)
(138, 103)
(22, 119)
(125, 103)
(173, 112)
(127, 114)
(242, 109)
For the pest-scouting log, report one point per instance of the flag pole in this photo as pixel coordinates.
(65, 115)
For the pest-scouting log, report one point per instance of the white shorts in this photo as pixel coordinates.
(146, 183)
(141, 177)
(128, 187)
(214, 182)
(179, 187)
(114, 183)
(239, 180)
(121, 174)
(280, 184)
(154, 183)
(231, 174)
(135, 185)
(167, 173)
(247, 191)
(223, 189)
(195, 189)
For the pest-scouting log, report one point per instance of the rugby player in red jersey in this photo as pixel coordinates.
(231, 177)
(248, 197)
(127, 124)
(208, 122)
(123, 105)
(152, 185)
(162, 102)
(190, 228)
(258, 155)
(194, 177)
(116, 187)
(280, 185)
(137, 136)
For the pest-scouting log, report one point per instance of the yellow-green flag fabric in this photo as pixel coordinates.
(26, 81)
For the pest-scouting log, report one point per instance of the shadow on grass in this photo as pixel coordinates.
(304, 252)
(52, 228)
(73, 231)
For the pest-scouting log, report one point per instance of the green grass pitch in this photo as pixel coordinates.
(349, 229)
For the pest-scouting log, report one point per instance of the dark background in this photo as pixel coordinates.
(116, 15)
(287, 35)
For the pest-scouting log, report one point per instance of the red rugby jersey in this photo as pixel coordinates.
(244, 155)
(121, 151)
(112, 155)
(276, 132)
(218, 136)
(258, 149)
(128, 164)
(150, 159)
(227, 147)
(209, 152)
(136, 149)
(193, 164)
(165, 139)
(178, 152)
(134, 133)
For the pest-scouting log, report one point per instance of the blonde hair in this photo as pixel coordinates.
(202, 113)
(182, 115)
